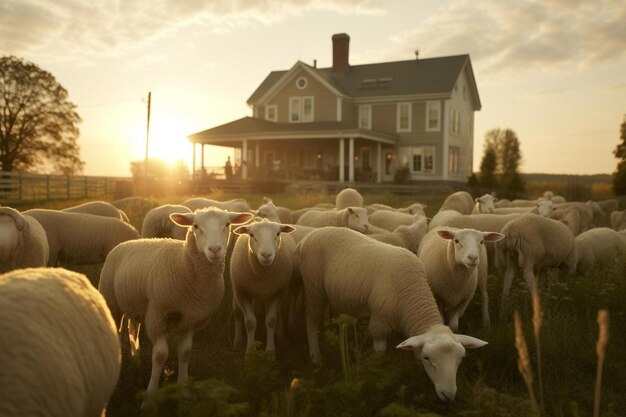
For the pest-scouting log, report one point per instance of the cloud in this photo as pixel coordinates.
(75, 26)
(533, 34)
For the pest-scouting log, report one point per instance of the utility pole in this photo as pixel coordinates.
(145, 165)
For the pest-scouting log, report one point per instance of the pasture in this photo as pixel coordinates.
(355, 381)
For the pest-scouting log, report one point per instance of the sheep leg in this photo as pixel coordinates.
(531, 279)
(247, 307)
(238, 317)
(159, 356)
(185, 341)
(485, 303)
(134, 327)
(314, 313)
(271, 318)
(455, 313)
(379, 331)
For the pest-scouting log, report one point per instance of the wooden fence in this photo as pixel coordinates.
(16, 187)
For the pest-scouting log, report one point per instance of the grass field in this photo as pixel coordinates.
(226, 382)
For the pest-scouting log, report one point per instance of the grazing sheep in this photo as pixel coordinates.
(261, 269)
(235, 205)
(348, 197)
(533, 243)
(460, 201)
(584, 209)
(81, 238)
(157, 222)
(268, 210)
(415, 208)
(390, 220)
(484, 204)
(98, 208)
(365, 278)
(451, 258)
(404, 236)
(618, 220)
(170, 285)
(351, 217)
(60, 348)
(600, 245)
(23, 242)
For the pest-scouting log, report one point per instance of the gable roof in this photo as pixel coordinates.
(429, 76)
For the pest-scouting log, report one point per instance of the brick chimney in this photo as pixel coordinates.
(341, 48)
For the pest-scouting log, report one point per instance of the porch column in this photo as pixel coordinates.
(257, 157)
(446, 137)
(244, 160)
(342, 161)
(379, 163)
(351, 160)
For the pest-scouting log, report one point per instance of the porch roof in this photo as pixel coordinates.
(254, 128)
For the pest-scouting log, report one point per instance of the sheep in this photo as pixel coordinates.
(98, 208)
(352, 217)
(23, 241)
(543, 208)
(170, 284)
(296, 214)
(81, 238)
(618, 220)
(60, 349)
(415, 208)
(157, 222)
(235, 205)
(357, 275)
(533, 243)
(406, 236)
(585, 211)
(484, 204)
(261, 269)
(390, 220)
(348, 197)
(598, 245)
(503, 203)
(556, 199)
(609, 205)
(268, 210)
(460, 201)
(451, 258)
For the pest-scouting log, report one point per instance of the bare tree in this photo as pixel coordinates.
(38, 123)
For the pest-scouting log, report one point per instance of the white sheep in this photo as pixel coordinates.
(348, 197)
(268, 210)
(390, 220)
(261, 269)
(157, 222)
(23, 241)
(81, 238)
(169, 284)
(235, 205)
(415, 208)
(98, 208)
(532, 243)
(406, 236)
(460, 201)
(584, 210)
(60, 348)
(451, 258)
(556, 199)
(359, 276)
(484, 204)
(618, 220)
(600, 245)
(543, 208)
(609, 205)
(351, 217)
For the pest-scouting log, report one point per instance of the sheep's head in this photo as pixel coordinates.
(486, 203)
(11, 225)
(441, 352)
(417, 208)
(357, 219)
(467, 243)
(268, 211)
(210, 228)
(545, 207)
(264, 239)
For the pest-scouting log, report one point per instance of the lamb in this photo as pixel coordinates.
(600, 245)
(618, 220)
(390, 220)
(170, 285)
(460, 201)
(98, 208)
(415, 208)
(60, 349)
(451, 258)
(404, 236)
(261, 269)
(81, 238)
(348, 197)
(352, 217)
(533, 243)
(268, 210)
(157, 222)
(484, 204)
(235, 205)
(365, 278)
(23, 242)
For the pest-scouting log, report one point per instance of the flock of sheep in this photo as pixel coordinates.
(404, 272)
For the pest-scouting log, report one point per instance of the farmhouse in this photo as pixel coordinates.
(356, 122)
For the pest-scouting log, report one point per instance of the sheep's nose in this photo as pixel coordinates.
(215, 249)
(266, 255)
(473, 259)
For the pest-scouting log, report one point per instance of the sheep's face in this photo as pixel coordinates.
(468, 244)
(264, 239)
(8, 238)
(211, 229)
(440, 352)
(268, 211)
(486, 203)
(357, 219)
(417, 208)
(545, 208)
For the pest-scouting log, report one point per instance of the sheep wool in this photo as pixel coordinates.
(390, 220)
(234, 205)
(460, 201)
(23, 242)
(98, 208)
(351, 217)
(348, 197)
(600, 245)
(60, 348)
(157, 222)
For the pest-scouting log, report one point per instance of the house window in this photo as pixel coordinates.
(423, 159)
(301, 109)
(455, 122)
(433, 116)
(404, 117)
(271, 113)
(453, 160)
(365, 116)
(301, 83)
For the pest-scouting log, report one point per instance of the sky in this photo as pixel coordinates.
(554, 71)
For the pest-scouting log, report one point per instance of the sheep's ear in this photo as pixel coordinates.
(240, 218)
(267, 200)
(412, 343)
(493, 236)
(182, 219)
(350, 210)
(469, 342)
(285, 228)
(446, 234)
(241, 230)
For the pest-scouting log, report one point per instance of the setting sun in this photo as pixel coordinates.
(167, 139)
